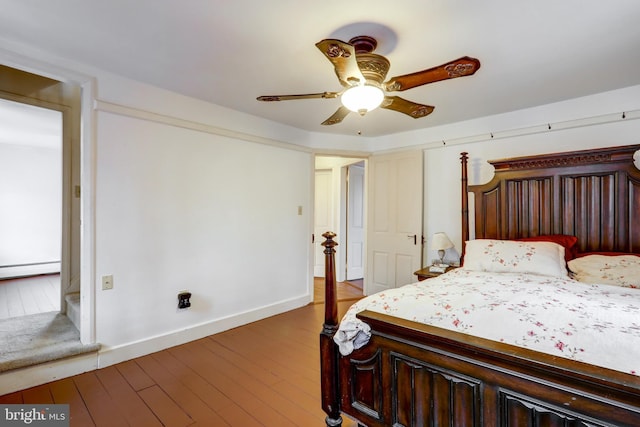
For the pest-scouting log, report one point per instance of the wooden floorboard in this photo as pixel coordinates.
(165, 407)
(228, 410)
(266, 373)
(346, 290)
(103, 410)
(135, 375)
(131, 404)
(65, 391)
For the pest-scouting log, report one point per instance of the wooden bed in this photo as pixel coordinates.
(411, 374)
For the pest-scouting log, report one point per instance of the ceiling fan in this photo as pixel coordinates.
(362, 74)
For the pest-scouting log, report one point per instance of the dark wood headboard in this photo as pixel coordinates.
(591, 194)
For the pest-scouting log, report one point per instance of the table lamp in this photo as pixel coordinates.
(441, 242)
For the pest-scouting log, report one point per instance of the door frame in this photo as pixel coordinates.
(86, 154)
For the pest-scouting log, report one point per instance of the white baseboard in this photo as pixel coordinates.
(111, 355)
(21, 379)
(29, 270)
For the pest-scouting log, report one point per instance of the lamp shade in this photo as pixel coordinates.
(362, 99)
(441, 241)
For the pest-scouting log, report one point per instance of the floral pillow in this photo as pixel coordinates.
(622, 270)
(510, 256)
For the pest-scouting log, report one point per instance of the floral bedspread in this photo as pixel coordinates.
(592, 323)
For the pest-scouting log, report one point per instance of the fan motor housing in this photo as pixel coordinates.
(373, 67)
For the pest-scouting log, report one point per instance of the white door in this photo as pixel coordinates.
(323, 217)
(355, 222)
(395, 220)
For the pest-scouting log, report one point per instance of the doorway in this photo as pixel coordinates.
(53, 206)
(31, 218)
(340, 207)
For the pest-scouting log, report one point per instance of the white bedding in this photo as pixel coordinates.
(592, 323)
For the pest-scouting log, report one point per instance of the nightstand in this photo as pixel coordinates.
(424, 273)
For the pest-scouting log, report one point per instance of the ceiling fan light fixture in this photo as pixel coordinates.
(362, 98)
(363, 74)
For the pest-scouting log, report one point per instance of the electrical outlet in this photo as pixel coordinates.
(107, 282)
(184, 299)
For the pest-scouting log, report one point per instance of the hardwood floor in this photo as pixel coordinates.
(29, 295)
(263, 374)
(346, 291)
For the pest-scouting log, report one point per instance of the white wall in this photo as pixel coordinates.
(179, 209)
(599, 107)
(31, 208)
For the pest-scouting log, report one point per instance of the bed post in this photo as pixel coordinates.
(464, 158)
(328, 348)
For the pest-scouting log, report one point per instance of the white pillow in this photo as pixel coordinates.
(622, 270)
(510, 256)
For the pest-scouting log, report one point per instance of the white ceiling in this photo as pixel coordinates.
(229, 52)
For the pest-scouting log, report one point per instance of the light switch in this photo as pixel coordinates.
(107, 282)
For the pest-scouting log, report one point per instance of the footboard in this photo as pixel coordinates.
(411, 374)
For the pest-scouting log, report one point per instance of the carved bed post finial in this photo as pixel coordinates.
(464, 160)
(329, 385)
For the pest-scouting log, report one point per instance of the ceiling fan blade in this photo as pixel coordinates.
(302, 96)
(343, 57)
(338, 116)
(409, 108)
(461, 67)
